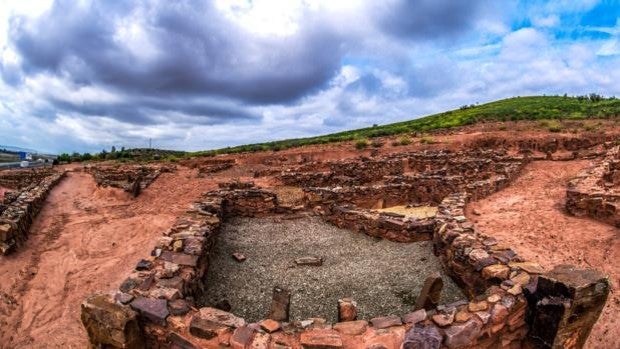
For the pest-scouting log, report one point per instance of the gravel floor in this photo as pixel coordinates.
(384, 277)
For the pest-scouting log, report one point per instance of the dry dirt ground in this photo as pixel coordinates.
(383, 277)
(84, 240)
(529, 215)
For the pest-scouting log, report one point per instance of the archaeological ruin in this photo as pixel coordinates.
(415, 197)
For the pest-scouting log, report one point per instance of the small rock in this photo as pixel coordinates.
(496, 271)
(177, 246)
(431, 292)
(311, 260)
(386, 321)
(280, 304)
(515, 290)
(444, 319)
(462, 316)
(494, 298)
(270, 326)
(239, 257)
(462, 334)
(351, 327)
(123, 298)
(156, 310)
(347, 310)
(320, 339)
(478, 306)
(422, 337)
(499, 314)
(178, 307)
(415, 317)
(242, 337)
(144, 264)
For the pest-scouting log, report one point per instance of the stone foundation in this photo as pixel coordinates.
(21, 207)
(596, 192)
(131, 178)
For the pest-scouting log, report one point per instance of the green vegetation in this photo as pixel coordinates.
(592, 106)
(125, 155)
(404, 140)
(361, 143)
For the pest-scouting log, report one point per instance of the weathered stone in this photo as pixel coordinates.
(484, 316)
(478, 306)
(260, 341)
(170, 269)
(310, 260)
(110, 324)
(219, 317)
(165, 293)
(177, 246)
(123, 298)
(320, 339)
(239, 257)
(515, 290)
(499, 314)
(494, 298)
(431, 292)
(269, 325)
(415, 317)
(385, 321)
(156, 310)
(129, 284)
(496, 271)
(422, 337)
(241, 337)
(179, 342)
(178, 307)
(460, 335)
(568, 303)
(347, 310)
(351, 327)
(144, 264)
(179, 258)
(462, 316)
(444, 319)
(521, 278)
(280, 304)
(530, 267)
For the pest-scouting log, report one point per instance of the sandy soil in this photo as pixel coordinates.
(412, 211)
(84, 240)
(529, 215)
(382, 276)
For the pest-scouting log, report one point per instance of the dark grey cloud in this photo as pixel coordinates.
(198, 51)
(428, 19)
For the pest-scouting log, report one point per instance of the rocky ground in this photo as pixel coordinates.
(529, 215)
(384, 277)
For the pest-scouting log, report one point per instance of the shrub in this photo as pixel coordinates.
(404, 140)
(376, 144)
(554, 126)
(427, 140)
(361, 143)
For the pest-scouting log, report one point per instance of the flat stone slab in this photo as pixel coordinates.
(156, 310)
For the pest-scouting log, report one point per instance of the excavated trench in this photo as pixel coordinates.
(382, 276)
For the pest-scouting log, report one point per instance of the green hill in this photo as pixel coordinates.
(510, 109)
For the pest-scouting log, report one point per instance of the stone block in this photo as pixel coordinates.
(280, 304)
(110, 324)
(431, 292)
(320, 339)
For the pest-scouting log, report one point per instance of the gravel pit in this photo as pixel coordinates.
(384, 277)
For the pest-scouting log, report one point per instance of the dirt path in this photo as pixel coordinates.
(85, 239)
(529, 215)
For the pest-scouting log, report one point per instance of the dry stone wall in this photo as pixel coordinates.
(20, 208)
(19, 179)
(596, 191)
(154, 306)
(131, 178)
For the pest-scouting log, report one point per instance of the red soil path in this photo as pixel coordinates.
(84, 240)
(529, 215)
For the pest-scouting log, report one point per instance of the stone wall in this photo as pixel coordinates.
(512, 303)
(20, 208)
(596, 192)
(389, 226)
(131, 178)
(19, 179)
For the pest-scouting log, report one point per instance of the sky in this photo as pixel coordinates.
(84, 75)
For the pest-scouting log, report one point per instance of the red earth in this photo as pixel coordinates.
(529, 215)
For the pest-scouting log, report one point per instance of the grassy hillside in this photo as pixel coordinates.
(511, 109)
